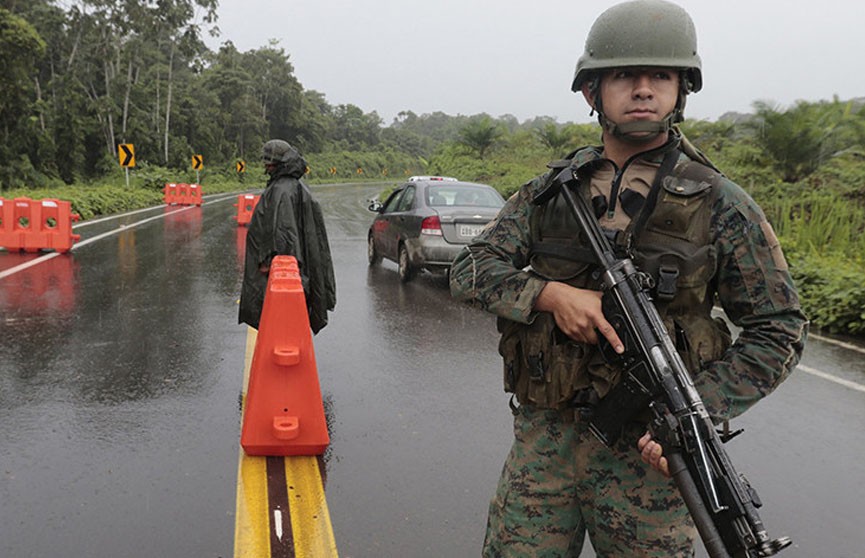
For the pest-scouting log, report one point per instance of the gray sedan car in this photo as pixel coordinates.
(425, 222)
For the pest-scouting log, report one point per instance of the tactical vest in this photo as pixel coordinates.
(669, 239)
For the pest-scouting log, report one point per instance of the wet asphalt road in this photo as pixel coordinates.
(120, 374)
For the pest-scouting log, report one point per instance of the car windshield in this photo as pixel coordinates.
(449, 195)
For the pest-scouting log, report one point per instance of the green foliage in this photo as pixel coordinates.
(831, 290)
(454, 160)
(480, 135)
(93, 201)
(803, 137)
(819, 222)
(373, 165)
(513, 162)
(21, 47)
(844, 174)
(354, 130)
(560, 139)
(554, 137)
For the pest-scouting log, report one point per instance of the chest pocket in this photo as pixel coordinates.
(674, 246)
(680, 202)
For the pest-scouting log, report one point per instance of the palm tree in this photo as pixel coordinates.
(554, 137)
(480, 135)
(800, 139)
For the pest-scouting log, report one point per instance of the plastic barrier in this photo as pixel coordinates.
(193, 194)
(182, 194)
(279, 495)
(169, 193)
(284, 412)
(33, 225)
(245, 205)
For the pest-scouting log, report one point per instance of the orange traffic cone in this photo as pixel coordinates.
(284, 414)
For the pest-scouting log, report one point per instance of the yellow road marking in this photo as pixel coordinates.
(310, 518)
(252, 520)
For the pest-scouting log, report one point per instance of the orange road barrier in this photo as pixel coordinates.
(182, 194)
(281, 509)
(193, 195)
(245, 205)
(33, 225)
(169, 193)
(284, 412)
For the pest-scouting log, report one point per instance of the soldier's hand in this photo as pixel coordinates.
(653, 454)
(577, 313)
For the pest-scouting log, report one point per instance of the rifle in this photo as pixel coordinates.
(721, 501)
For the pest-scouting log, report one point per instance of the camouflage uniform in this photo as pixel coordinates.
(558, 482)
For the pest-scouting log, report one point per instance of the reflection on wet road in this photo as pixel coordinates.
(121, 366)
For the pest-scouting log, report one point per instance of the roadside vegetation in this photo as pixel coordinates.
(805, 166)
(82, 80)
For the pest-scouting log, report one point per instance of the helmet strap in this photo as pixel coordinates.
(648, 130)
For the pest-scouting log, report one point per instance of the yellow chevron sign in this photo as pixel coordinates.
(126, 154)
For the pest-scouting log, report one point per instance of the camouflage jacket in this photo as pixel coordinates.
(752, 284)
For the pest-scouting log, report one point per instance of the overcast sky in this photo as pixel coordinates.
(518, 56)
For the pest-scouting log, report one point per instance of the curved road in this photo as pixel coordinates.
(121, 367)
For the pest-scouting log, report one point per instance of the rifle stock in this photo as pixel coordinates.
(720, 500)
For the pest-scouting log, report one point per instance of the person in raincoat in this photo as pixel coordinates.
(287, 221)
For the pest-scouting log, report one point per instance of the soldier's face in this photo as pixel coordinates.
(639, 93)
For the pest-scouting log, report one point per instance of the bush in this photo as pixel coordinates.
(375, 165)
(831, 291)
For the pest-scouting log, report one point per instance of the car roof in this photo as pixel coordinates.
(432, 179)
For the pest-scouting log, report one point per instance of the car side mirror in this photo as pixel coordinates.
(375, 205)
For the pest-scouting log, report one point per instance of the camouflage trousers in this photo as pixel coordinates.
(559, 483)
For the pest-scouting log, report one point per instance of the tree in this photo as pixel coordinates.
(21, 47)
(554, 137)
(803, 137)
(359, 131)
(480, 135)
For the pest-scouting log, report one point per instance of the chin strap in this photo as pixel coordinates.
(647, 131)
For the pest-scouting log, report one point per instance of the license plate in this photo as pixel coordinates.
(470, 231)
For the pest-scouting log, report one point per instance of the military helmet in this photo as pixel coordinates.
(642, 33)
(277, 151)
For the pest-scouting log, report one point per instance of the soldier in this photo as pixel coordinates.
(703, 240)
(287, 221)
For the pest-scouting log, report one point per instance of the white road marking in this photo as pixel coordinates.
(277, 522)
(831, 378)
(31, 263)
(112, 217)
(843, 344)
